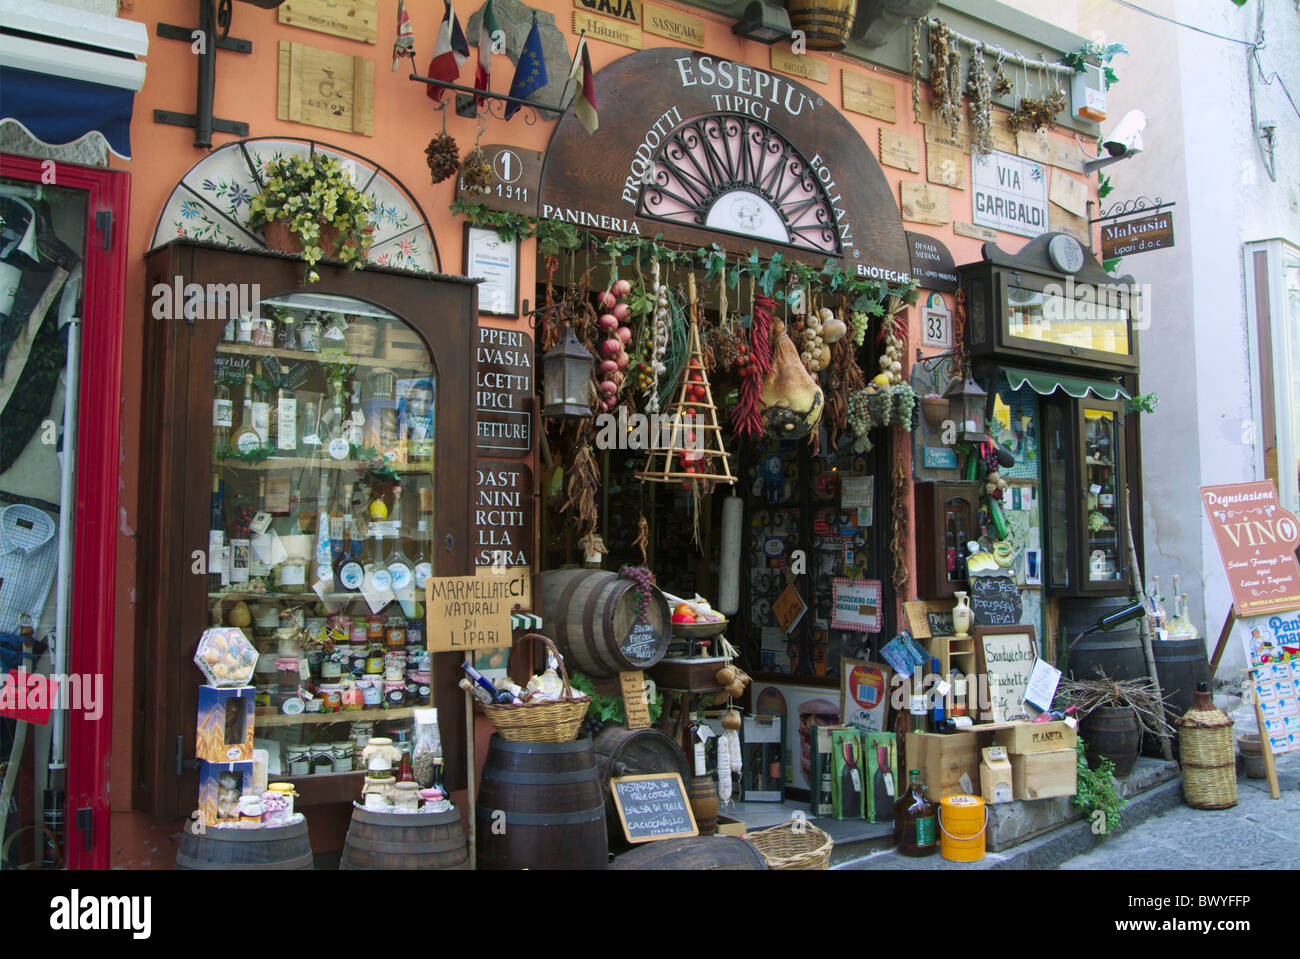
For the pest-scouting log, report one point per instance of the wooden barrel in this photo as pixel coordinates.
(593, 614)
(1180, 664)
(269, 847)
(1112, 733)
(698, 852)
(1118, 652)
(540, 807)
(633, 752)
(385, 840)
(826, 23)
(703, 794)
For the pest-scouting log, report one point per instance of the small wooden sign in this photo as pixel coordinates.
(1005, 656)
(788, 608)
(922, 203)
(326, 89)
(663, 22)
(945, 165)
(1126, 237)
(930, 117)
(1004, 138)
(1068, 193)
(900, 151)
(940, 135)
(635, 702)
(353, 19)
(653, 806)
(933, 268)
(810, 68)
(468, 612)
(924, 615)
(871, 96)
(1036, 145)
(974, 231)
(627, 12)
(611, 31)
(1062, 222)
(516, 173)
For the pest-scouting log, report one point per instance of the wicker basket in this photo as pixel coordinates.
(795, 844)
(557, 721)
(1205, 748)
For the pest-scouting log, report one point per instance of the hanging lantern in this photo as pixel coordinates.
(966, 403)
(566, 369)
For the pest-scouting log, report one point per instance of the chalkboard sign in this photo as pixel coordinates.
(941, 624)
(994, 600)
(653, 807)
(641, 642)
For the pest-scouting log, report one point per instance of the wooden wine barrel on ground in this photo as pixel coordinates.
(1180, 664)
(1118, 652)
(697, 852)
(633, 752)
(268, 847)
(826, 23)
(1113, 733)
(384, 840)
(593, 615)
(702, 791)
(540, 807)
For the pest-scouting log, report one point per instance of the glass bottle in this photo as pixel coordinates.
(405, 772)
(357, 422)
(695, 746)
(338, 443)
(288, 331)
(959, 693)
(261, 406)
(223, 417)
(400, 569)
(216, 539)
(915, 823)
(246, 438)
(257, 566)
(938, 701)
(916, 701)
(309, 334)
(338, 524)
(324, 544)
(309, 437)
(286, 417)
(421, 565)
(348, 570)
(376, 572)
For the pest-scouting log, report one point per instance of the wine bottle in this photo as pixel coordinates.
(400, 569)
(216, 539)
(246, 438)
(916, 703)
(499, 696)
(223, 417)
(337, 524)
(324, 544)
(349, 572)
(423, 569)
(261, 408)
(286, 418)
(960, 686)
(937, 698)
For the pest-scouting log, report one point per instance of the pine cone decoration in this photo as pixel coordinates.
(443, 157)
(476, 172)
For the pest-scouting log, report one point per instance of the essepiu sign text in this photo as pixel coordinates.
(691, 145)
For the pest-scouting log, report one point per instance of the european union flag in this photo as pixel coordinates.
(530, 71)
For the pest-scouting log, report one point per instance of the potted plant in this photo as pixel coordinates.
(1114, 714)
(311, 206)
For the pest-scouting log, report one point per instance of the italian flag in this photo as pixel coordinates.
(584, 99)
(449, 53)
(487, 29)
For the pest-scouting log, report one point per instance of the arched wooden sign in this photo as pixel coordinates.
(691, 146)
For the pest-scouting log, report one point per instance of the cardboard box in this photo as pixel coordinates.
(225, 730)
(996, 781)
(882, 778)
(1044, 775)
(1037, 737)
(220, 786)
(730, 827)
(944, 759)
(849, 781)
(821, 795)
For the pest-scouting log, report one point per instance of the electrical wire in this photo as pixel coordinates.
(1178, 23)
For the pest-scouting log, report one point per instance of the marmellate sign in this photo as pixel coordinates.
(691, 145)
(1257, 540)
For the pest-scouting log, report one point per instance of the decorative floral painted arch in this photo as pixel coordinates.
(211, 203)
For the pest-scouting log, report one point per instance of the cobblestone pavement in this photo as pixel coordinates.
(1257, 833)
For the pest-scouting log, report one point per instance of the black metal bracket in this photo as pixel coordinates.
(468, 97)
(1133, 207)
(214, 25)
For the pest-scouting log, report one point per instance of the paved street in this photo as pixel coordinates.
(1256, 833)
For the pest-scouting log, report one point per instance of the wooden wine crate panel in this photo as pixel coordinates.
(1044, 775)
(322, 88)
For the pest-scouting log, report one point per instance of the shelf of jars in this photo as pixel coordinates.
(332, 357)
(318, 463)
(330, 718)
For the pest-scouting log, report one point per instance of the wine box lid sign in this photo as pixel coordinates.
(653, 807)
(503, 392)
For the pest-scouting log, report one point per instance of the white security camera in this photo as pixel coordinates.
(1126, 138)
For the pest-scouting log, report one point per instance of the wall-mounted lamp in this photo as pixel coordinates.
(763, 23)
(566, 392)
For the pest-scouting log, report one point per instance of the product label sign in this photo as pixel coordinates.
(1154, 232)
(1009, 193)
(1257, 540)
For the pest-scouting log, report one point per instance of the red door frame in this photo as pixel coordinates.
(90, 645)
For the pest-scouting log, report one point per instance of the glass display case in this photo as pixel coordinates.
(946, 519)
(296, 438)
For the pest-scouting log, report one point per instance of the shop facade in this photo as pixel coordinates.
(707, 143)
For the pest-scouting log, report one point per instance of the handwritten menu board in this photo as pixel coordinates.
(994, 600)
(1006, 657)
(1257, 540)
(653, 807)
(503, 392)
(641, 642)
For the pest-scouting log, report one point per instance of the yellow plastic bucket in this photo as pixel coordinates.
(963, 822)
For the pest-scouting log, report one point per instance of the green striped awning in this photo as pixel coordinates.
(1045, 384)
(525, 621)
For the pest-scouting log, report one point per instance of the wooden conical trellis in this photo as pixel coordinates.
(665, 460)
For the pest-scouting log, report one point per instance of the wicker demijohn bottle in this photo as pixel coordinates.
(1206, 751)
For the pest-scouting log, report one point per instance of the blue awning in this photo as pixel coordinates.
(59, 110)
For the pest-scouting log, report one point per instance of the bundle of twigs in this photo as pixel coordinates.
(1140, 695)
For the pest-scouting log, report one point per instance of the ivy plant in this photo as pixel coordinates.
(609, 709)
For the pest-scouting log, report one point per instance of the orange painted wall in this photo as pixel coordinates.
(404, 120)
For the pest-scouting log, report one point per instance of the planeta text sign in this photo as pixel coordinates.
(1257, 540)
(469, 612)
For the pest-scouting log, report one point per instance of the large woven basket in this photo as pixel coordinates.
(795, 844)
(1205, 747)
(543, 722)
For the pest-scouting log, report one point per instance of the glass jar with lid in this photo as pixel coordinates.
(426, 750)
(263, 332)
(291, 576)
(342, 752)
(322, 758)
(309, 331)
(298, 759)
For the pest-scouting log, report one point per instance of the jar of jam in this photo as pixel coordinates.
(331, 695)
(342, 753)
(287, 676)
(352, 698)
(374, 629)
(394, 693)
(357, 633)
(299, 760)
(414, 634)
(395, 633)
(322, 758)
(375, 661)
(370, 692)
(330, 670)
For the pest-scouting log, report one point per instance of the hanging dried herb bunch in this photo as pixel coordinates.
(981, 94)
(1034, 114)
(476, 172)
(917, 66)
(952, 108)
(1001, 82)
(939, 66)
(443, 156)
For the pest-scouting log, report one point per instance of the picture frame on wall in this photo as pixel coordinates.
(497, 262)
